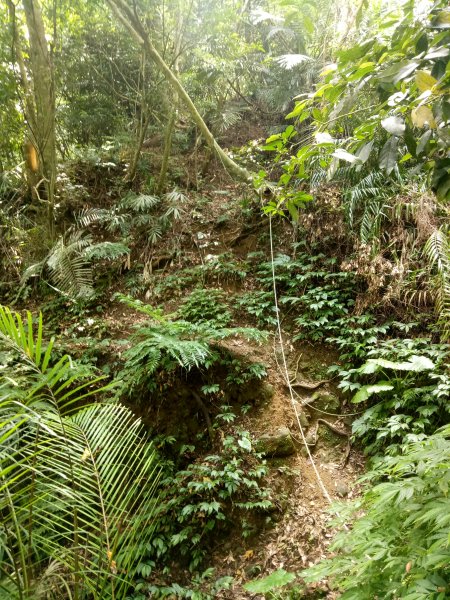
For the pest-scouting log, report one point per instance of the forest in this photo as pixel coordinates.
(224, 299)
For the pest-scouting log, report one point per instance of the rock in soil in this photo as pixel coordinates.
(276, 443)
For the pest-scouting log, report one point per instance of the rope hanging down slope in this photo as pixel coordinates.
(286, 373)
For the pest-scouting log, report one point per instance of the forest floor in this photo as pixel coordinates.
(224, 220)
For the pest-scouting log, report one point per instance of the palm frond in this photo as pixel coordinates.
(229, 117)
(289, 61)
(88, 216)
(71, 272)
(175, 197)
(77, 489)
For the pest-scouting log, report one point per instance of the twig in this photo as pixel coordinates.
(205, 412)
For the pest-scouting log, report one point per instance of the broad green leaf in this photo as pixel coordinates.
(361, 71)
(441, 52)
(422, 43)
(273, 138)
(355, 52)
(363, 153)
(274, 580)
(330, 68)
(398, 71)
(388, 155)
(410, 141)
(423, 141)
(415, 364)
(394, 125)
(368, 390)
(245, 443)
(425, 81)
(442, 20)
(298, 111)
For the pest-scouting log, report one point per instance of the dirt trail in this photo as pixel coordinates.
(299, 532)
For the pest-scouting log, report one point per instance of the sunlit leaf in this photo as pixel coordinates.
(424, 81)
(368, 390)
(422, 116)
(388, 155)
(275, 580)
(394, 125)
(344, 155)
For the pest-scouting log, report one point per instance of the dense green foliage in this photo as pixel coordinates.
(106, 189)
(398, 548)
(78, 480)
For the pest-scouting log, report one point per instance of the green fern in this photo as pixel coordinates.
(168, 344)
(370, 187)
(437, 251)
(105, 251)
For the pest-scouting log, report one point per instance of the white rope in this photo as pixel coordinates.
(286, 374)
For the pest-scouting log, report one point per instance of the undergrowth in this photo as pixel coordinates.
(200, 501)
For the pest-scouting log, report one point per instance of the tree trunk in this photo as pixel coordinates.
(167, 149)
(39, 99)
(173, 107)
(142, 131)
(126, 15)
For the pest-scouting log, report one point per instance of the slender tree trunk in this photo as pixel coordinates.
(144, 120)
(167, 149)
(44, 96)
(39, 98)
(143, 126)
(173, 108)
(130, 20)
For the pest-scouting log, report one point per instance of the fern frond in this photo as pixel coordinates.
(141, 203)
(106, 251)
(71, 272)
(437, 251)
(169, 344)
(88, 216)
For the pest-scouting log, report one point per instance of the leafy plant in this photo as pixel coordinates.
(399, 81)
(437, 250)
(69, 263)
(201, 587)
(259, 305)
(272, 582)
(207, 497)
(407, 386)
(167, 344)
(397, 546)
(206, 305)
